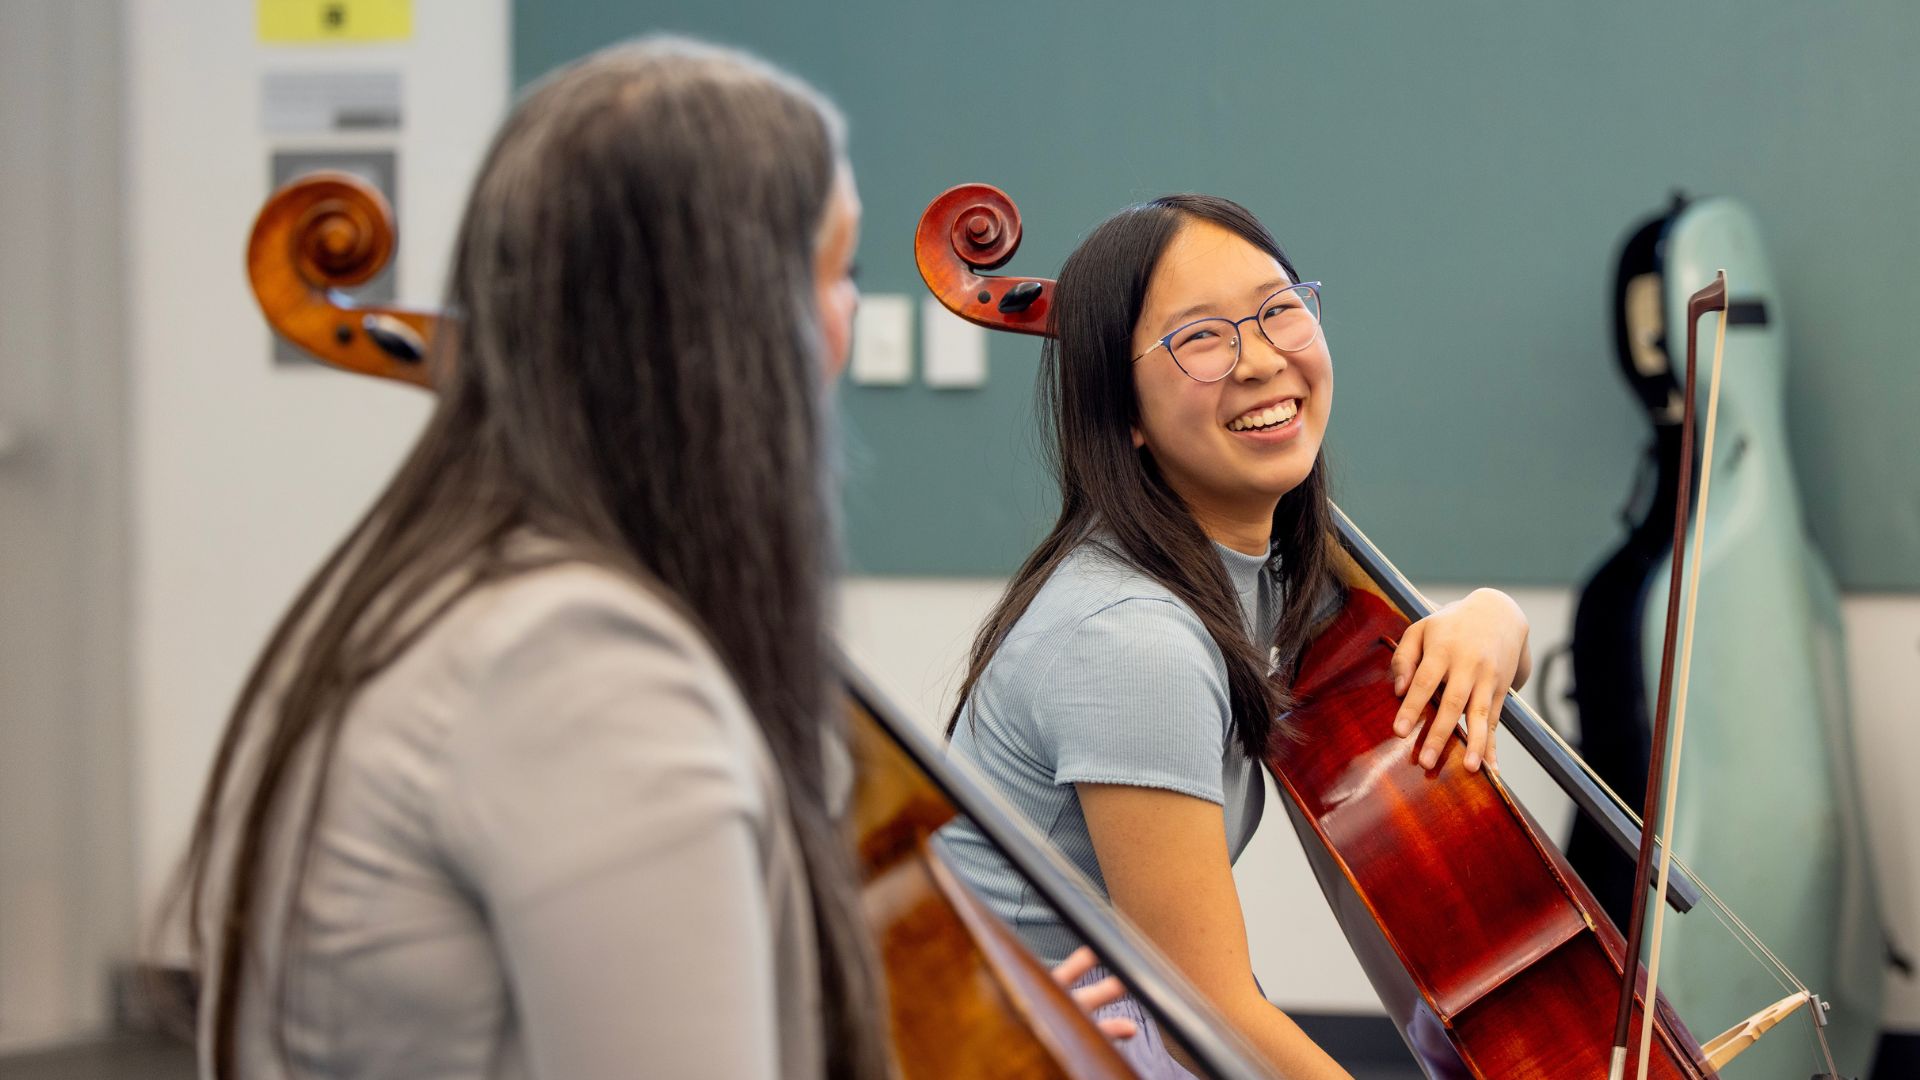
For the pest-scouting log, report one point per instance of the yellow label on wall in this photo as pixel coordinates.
(335, 20)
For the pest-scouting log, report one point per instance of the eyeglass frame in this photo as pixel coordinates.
(1166, 340)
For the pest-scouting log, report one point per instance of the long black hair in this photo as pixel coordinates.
(633, 368)
(1112, 490)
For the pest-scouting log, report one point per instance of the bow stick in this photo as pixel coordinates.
(1663, 773)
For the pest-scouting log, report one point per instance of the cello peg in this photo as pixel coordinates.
(1021, 296)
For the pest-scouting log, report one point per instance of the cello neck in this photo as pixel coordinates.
(1174, 1001)
(1559, 761)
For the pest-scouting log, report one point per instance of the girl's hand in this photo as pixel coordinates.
(1477, 647)
(1094, 995)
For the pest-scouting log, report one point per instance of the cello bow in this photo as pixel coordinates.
(1663, 766)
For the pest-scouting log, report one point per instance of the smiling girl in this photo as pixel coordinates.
(1126, 685)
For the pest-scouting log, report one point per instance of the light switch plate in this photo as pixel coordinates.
(954, 351)
(883, 341)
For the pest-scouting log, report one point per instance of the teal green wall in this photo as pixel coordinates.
(1410, 155)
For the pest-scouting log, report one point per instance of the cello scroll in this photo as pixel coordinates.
(973, 228)
(334, 231)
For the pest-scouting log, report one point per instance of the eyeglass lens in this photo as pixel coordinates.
(1208, 349)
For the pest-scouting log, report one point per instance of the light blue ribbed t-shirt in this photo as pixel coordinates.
(1106, 678)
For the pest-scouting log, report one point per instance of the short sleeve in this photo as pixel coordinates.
(1137, 695)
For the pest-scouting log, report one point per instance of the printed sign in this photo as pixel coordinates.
(307, 21)
(302, 102)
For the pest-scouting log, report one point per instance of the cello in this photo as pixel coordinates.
(1491, 956)
(967, 999)
(1769, 595)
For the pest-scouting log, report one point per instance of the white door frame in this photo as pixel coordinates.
(67, 913)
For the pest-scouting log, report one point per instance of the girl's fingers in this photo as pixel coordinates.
(1493, 723)
(1479, 727)
(1406, 656)
(1096, 994)
(1073, 967)
(1425, 680)
(1452, 704)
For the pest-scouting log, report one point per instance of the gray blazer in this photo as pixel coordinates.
(552, 844)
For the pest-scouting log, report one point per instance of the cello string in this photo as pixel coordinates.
(1737, 927)
(1598, 780)
(1724, 912)
(1744, 935)
(1779, 975)
(1815, 1049)
(1573, 755)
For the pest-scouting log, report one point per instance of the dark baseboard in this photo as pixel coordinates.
(1899, 1056)
(155, 999)
(1363, 1039)
(1355, 1038)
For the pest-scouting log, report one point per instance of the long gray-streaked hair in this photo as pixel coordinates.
(633, 367)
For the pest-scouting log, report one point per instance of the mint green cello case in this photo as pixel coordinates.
(1769, 810)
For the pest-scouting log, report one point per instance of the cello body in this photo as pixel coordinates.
(1491, 957)
(1768, 806)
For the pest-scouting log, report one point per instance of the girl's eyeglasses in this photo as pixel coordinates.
(1208, 349)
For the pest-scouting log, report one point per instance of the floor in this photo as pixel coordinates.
(147, 1057)
(135, 1057)
(123, 1057)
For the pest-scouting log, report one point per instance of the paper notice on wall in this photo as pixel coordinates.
(302, 102)
(953, 351)
(319, 21)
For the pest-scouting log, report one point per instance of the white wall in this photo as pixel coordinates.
(242, 473)
(66, 867)
(913, 635)
(1883, 660)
